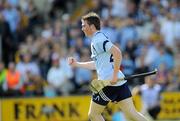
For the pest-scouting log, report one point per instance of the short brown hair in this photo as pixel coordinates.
(92, 18)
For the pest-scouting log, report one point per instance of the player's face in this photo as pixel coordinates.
(86, 28)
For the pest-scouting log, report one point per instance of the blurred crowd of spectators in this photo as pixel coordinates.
(35, 45)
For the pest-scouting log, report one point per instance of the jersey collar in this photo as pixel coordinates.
(97, 32)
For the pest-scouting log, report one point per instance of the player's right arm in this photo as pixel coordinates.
(88, 65)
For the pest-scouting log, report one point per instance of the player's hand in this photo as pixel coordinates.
(114, 80)
(72, 61)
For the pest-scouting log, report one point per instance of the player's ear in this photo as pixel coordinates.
(92, 26)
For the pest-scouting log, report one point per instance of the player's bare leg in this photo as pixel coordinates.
(95, 112)
(129, 110)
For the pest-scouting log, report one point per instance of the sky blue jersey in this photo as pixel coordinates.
(100, 47)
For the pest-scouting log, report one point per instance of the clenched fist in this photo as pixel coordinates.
(72, 61)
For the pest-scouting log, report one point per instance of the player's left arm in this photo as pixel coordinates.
(117, 58)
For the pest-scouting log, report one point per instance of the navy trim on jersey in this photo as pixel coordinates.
(104, 45)
(104, 35)
(97, 33)
(94, 49)
(100, 32)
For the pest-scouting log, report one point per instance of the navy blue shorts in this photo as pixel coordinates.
(112, 93)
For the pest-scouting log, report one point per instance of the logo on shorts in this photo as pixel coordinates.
(96, 98)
